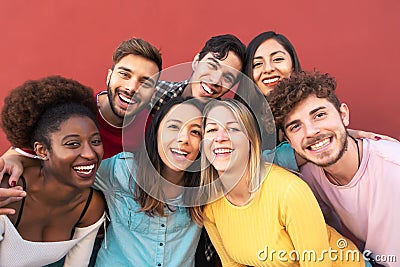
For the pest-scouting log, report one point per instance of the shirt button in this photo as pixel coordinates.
(162, 225)
(161, 244)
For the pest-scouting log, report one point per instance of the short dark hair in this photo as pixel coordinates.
(138, 47)
(26, 103)
(221, 45)
(290, 91)
(49, 122)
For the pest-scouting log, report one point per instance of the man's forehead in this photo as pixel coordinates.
(224, 61)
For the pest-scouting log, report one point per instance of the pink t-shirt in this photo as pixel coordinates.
(368, 205)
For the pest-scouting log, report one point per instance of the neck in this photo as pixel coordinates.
(187, 92)
(239, 195)
(43, 187)
(343, 171)
(175, 179)
(104, 107)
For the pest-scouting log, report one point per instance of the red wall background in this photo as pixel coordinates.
(356, 41)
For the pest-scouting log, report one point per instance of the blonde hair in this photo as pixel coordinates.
(249, 124)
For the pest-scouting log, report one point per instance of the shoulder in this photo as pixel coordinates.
(95, 209)
(280, 182)
(383, 149)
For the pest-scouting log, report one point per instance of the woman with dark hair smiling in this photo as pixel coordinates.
(150, 218)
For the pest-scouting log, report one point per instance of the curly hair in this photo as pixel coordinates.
(290, 91)
(26, 103)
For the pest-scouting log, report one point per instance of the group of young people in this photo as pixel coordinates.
(171, 157)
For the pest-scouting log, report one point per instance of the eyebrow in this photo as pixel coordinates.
(214, 60)
(229, 122)
(144, 77)
(272, 54)
(309, 113)
(78, 136)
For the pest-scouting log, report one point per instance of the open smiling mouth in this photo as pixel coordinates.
(271, 81)
(320, 144)
(127, 100)
(85, 169)
(222, 151)
(207, 88)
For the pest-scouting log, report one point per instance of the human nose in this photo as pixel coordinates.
(221, 135)
(88, 151)
(311, 129)
(183, 137)
(132, 85)
(269, 66)
(216, 77)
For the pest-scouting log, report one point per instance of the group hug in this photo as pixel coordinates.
(160, 173)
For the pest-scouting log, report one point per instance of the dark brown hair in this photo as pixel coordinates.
(26, 103)
(290, 91)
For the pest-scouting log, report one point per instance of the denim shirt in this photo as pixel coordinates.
(282, 155)
(134, 238)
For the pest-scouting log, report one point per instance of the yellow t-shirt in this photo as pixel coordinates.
(282, 221)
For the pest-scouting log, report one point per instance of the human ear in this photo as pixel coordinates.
(345, 114)
(195, 62)
(110, 71)
(41, 150)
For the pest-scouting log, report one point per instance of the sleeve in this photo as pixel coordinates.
(212, 230)
(283, 155)
(79, 255)
(305, 225)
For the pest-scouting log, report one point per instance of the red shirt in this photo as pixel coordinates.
(116, 140)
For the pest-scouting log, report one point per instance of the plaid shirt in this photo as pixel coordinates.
(165, 91)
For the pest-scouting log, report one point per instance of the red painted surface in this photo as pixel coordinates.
(355, 41)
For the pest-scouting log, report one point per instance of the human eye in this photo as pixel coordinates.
(147, 84)
(229, 79)
(124, 74)
(72, 144)
(256, 64)
(196, 132)
(96, 142)
(212, 65)
(173, 127)
(320, 115)
(233, 129)
(294, 127)
(278, 59)
(211, 129)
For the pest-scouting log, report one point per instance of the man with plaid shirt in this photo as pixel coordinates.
(216, 69)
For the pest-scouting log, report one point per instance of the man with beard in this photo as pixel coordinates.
(358, 179)
(130, 86)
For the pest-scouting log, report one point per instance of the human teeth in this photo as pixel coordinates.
(222, 150)
(178, 152)
(125, 99)
(84, 169)
(272, 80)
(207, 89)
(320, 144)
